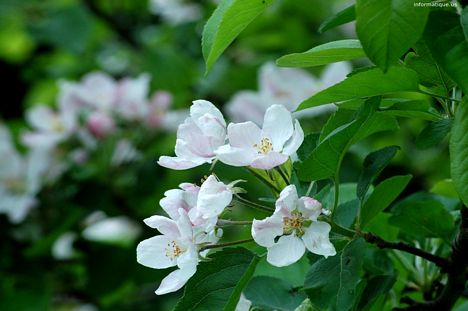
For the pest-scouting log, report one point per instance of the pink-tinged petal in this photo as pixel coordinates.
(287, 251)
(265, 231)
(244, 135)
(269, 161)
(235, 156)
(191, 140)
(166, 226)
(176, 163)
(175, 280)
(287, 200)
(212, 129)
(310, 208)
(202, 107)
(152, 252)
(317, 241)
(213, 197)
(175, 199)
(296, 140)
(278, 126)
(189, 150)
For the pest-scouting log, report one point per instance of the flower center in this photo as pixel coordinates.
(264, 147)
(15, 185)
(57, 124)
(173, 250)
(295, 224)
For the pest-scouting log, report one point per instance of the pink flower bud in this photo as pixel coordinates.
(100, 124)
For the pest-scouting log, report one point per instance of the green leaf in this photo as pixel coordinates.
(388, 28)
(382, 196)
(464, 21)
(446, 40)
(363, 84)
(419, 109)
(327, 53)
(309, 144)
(374, 163)
(229, 19)
(271, 293)
(340, 18)
(326, 158)
(430, 73)
(217, 285)
(459, 150)
(331, 282)
(376, 285)
(422, 217)
(433, 133)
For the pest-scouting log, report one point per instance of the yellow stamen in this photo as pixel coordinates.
(265, 146)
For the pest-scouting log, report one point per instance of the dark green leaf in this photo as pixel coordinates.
(382, 196)
(271, 293)
(363, 84)
(340, 117)
(433, 133)
(464, 21)
(309, 144)
(374, 163)
(327, 53)
(226, 23)
(346, 213)
(376, 285)
(445, 38)
(422, 217)
(340, 18)
(419, 109)
(388, 28)
(459, 150)
(217, 285)
(331, 282)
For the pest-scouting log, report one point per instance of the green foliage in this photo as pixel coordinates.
(433, 133)
(226, 23)
(340, 18)
(278, 295)
(327, 53)
(446, 40)
(218, 283)
(388, 28)
(325, 159)
(374, 163)
(331, 282)
(363, 84)
(459, 151)
(422, 216)
(382, 196)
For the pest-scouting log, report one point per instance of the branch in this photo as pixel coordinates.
(381, 243)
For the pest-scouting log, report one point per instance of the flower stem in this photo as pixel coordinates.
(336, 183)
(282, 174)
(226, 222)
(254, 205)
(342, 230)
(211, 246)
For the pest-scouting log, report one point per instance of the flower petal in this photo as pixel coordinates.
(265, 231)
(310, 207)
(317, 241)
(213, 197)
(235, 156)
(288, 250)
(152, 253)
(269, 161)
(296, 140)
(202, 107)
(177, 163)
(166, 226)
(244, 135)
(287, 200)
(175, 280)
(277, 126)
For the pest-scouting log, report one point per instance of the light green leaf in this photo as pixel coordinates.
(374, 163)
(271, 293)
(388, 28)
(382, 196)
(325, 159)
(445, 38)
(340, 18)
(327, 53)
(229, 19)
(217, 285)
(331, 282)
(459, 150)
(433, 133)
(363, 84)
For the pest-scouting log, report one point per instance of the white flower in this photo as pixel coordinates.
(197, 137)
(175, 247)
(62, 249)
(244, 304)
(125, 152)
(20, 178)
(292, 228)
(262, 148)
(113, 230)
(176, 11)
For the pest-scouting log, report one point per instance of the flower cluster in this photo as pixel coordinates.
(287, 87)
(193, 226)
